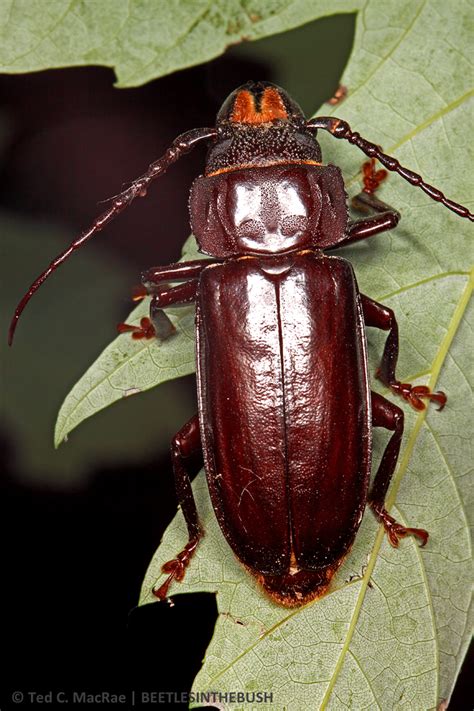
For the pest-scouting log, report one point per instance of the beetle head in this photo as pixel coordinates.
(265, 190)
(260, 125)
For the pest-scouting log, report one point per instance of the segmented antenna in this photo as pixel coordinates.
(341, 129)
(138, 188)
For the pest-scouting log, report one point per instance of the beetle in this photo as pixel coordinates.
(285, 406)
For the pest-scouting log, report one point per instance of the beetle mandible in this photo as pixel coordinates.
(285, 406)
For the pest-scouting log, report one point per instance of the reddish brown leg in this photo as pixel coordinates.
(380, 316)
(156, 277)
(384, 217)
(154, 282)
(184, 444)
(389, 416)
(159, 325)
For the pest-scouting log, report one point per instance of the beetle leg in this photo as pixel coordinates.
(380, 316)
(386, 414)
(154, 282)
(159, 325)
(184, 445)
(180, 271)
(384, 217)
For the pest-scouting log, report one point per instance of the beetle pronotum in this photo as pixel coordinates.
(272, 310)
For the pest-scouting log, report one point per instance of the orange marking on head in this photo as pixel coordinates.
(271, 107)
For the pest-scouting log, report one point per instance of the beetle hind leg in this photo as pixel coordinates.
(380, 316)
(185, 444)
(389, 416)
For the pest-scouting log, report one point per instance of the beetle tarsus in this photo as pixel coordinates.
(177, 567)
(144, 330)
(158, 326)
(413, 394)
(372, 178)
(395, 531)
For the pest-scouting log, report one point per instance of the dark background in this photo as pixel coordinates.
(80, 525)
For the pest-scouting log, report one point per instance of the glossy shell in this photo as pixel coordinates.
(284, 414)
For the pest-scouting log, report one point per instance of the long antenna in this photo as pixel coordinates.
(181, 145)
(341, 129)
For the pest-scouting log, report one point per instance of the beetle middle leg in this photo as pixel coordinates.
(184, 445)
(158, 324)
(155, 283)
(382, 317)
(386, 414)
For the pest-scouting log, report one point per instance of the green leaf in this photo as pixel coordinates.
(394, 629)
(142, 39)
(127, 367)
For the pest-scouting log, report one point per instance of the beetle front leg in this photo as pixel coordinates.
(155, 282)
(185, 443)
(383, 216)
(158, 324)
(380, 316)
(386, 414)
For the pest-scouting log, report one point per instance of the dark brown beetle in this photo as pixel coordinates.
(285, 406)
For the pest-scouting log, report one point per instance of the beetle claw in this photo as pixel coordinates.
(413, 395)
(395, 531)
